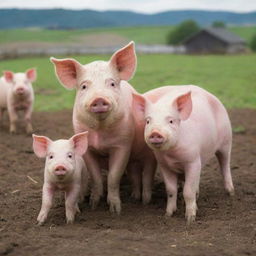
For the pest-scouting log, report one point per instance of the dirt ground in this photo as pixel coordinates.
(224, 226)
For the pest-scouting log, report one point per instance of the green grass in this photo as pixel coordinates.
(142, 35)
(231, 78)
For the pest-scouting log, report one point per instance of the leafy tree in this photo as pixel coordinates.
(182, 31)
(218, 24)
(253, 43)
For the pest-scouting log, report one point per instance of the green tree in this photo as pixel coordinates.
(218, 24)
(253, 43)
(182, 31)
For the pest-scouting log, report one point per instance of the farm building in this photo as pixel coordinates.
(215, 40)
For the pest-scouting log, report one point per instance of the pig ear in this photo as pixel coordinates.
(40, 145)
(31, 74)
(125, 61)
(67, 71)
(8, 75)
(80, 142)
(139, 103)
(184, 105)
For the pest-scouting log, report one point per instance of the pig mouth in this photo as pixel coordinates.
(60, 173)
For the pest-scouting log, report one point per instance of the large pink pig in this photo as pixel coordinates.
(64, 170)
(16, 94)
(105, 107)
(185, 127)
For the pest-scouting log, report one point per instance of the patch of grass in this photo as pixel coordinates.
(141, 35)
(230, 78)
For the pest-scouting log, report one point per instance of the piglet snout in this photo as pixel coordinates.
(156, 138)
(99, 105)
(60, 170)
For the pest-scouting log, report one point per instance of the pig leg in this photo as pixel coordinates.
(1, 115)
(117, 164)
(171, 186)
(223, 157)
(135, 175)
(191, 187)
(71, 203)
(28, 114)
(48, 192)
(148, 179)
(84, 184)
(13, 116)
(97, 182)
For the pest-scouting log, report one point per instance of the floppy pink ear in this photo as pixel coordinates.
(80, 142)
(125, 61)
(8, 75)
(67, 71)
(40, 145)
(31, 74)
(184, 105)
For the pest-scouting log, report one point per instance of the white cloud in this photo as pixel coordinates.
(147, 6)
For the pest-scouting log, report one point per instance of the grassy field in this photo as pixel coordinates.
(142, 35)
(231, 78)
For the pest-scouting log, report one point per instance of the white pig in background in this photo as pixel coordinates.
(105, 107)
(16, 94)
(185, 127)
(65, 170)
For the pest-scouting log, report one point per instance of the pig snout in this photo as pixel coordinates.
(60, 170)
(156, 139)
(100, 105)
(20, 91)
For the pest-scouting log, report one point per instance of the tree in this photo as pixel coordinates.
(253, 43)
(218, 24)
(181, 32)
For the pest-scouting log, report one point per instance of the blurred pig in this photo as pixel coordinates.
(16, 94)
(185, 127)
(105, 107)
(64, 170)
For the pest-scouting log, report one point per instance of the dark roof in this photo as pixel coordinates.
(220, 33)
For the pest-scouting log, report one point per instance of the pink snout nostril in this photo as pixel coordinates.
(60, 168)
(156, 138)
(99, 105)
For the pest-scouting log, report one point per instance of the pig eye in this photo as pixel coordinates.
(171, 121)
(112, 84)
(147, 121)
(51, 156)
(69, 155)
(84, 87)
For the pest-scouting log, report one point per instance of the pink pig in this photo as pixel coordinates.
(64, 170)
(105, 107)
(185, 127)
(16, 93)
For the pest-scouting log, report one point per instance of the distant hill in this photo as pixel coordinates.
(63, 18)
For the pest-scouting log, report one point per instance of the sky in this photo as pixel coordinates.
(144, 6)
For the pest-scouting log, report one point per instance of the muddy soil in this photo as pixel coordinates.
(224, 226)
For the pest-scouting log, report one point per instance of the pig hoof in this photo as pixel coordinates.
(190, 219)
(13, 131)
(136, 195)
(94, 202)
(146, 199)
(70, 221)
(115, 206)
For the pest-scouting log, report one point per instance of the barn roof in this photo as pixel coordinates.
(220, 33)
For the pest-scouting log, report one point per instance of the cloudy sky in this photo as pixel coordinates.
(146, 6)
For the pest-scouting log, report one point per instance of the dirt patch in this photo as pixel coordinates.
(223, 226)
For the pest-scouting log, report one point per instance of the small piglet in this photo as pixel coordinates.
(185, 127)
(64, 170)
(16, 94)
